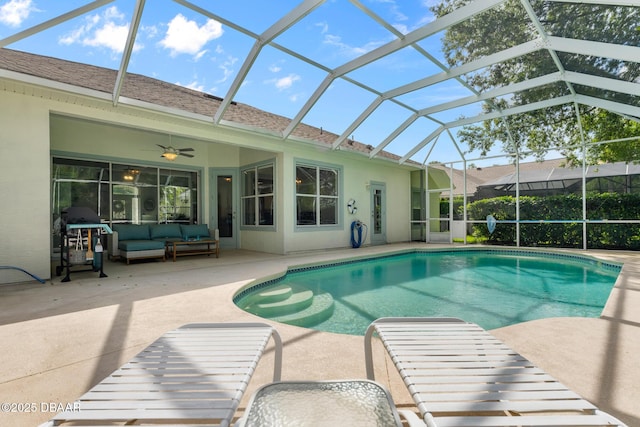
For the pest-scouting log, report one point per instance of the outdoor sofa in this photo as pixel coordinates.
(139, 241)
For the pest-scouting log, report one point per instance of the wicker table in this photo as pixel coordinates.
(172, 248)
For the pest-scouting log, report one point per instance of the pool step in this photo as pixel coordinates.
(274, 294)
(319, 311)
(283, 300)
(292, 304)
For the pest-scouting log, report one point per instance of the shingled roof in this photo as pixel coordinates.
(479, 176)
(157, 92)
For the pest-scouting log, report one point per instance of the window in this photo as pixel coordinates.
(317, 195)
(257, 196)
(178, 196)
(123, 193)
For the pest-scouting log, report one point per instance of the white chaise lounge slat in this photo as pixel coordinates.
(459, 375)
(192, 375)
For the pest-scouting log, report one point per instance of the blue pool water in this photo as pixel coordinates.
(491, 288)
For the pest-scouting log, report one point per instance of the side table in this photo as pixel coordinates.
(351, 403)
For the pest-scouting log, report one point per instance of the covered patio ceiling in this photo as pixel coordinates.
(389, 96)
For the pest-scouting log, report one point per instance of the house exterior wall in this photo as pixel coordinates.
(24, 188)
(38, 122)
(358, 172)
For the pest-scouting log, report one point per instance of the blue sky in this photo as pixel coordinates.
(180, 46)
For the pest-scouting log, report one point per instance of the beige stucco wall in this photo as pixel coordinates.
(36, 122)
(24, 188)
(359, 172)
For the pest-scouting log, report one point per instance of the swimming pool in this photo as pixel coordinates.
(493, 288)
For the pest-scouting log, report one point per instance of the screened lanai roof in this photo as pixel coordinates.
(366, 70)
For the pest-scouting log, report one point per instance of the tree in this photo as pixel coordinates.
(552, 128)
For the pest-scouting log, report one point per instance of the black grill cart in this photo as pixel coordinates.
(82, 242)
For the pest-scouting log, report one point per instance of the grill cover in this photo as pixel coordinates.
(78, 215)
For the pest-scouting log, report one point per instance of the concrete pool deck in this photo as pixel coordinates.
(59, 339)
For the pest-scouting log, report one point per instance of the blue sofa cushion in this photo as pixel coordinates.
(195, 231)
(140, 245)
(132, 231)
(166, 231)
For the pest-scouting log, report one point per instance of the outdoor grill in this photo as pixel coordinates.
(81, 241)
(77, 215)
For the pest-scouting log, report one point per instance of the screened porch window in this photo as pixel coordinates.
(123, 193)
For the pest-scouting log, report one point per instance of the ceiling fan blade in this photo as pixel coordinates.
(185, 149)
(186, 155)
(162, 146)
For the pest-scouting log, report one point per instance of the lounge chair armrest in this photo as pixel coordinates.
(411, 418)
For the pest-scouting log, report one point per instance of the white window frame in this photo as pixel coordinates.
(339, 197)
(256, 197)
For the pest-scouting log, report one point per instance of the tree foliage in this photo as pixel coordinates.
(556, 127)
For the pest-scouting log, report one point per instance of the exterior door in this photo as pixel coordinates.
(224, 205)
(378, 228)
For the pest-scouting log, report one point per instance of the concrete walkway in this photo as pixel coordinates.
(59, 339)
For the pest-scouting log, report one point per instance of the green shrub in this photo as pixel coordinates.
(602, 235)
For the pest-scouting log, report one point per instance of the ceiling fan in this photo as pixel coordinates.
(170, 153)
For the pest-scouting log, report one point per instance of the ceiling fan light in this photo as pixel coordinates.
(169, 156)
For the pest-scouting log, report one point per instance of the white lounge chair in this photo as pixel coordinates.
(194, 374)
(460, 375)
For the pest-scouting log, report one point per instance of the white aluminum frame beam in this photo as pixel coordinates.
(616, 107)
(632, 3)
(503, 55)
(284, 23)
(500, 91)
(593, 48)
(394, 134)
(434, 27)
(606, 83)
(512, 111)
(422, 143)
(363, 116)
(126, 54)
(53, 22)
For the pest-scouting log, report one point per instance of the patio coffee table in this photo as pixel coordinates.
(321, 403)
(172, 248)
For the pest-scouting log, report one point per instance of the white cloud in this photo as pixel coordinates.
(324, 27)
(15, 12)
(227, 68)
(286, 82)
(347, 50)
(402, 28)
(295, 97)
(110, 35)
(113, 13)
(151, 31)
(275, 68)
(199, 55)
(107, 30)
(184, 36)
